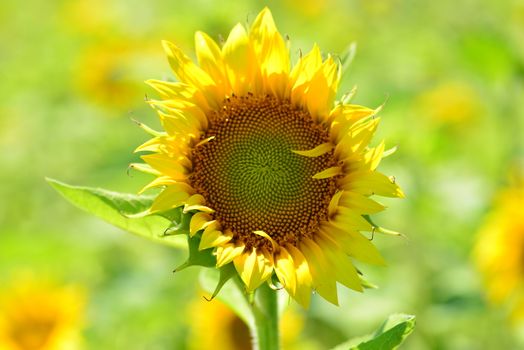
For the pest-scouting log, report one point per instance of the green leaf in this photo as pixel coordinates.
(388, 337)
(115, 208)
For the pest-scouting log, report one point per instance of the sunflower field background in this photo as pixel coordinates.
(452, 76)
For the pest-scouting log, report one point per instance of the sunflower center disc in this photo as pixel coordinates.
(252, 179)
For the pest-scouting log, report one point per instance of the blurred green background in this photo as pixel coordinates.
(72, 75)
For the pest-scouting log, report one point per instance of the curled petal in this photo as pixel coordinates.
(172, 196)
(317, 151)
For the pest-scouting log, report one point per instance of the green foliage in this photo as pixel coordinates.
(129, 212)
(388, 337)
(121, 209)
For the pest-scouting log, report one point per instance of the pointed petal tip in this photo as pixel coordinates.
(268, 237)
(327, 173)
(167, 46)
(317, 151)
(200, 34)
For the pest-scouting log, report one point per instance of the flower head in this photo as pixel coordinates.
(278, 177)
(38, 316)
(450, 103)
(103, 75)
(499, 251)
(214, 325)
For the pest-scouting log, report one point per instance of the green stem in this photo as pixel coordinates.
(265, 310)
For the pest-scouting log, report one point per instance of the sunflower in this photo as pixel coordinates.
(214, 325)
(103, 74)
(499, 251)
(450, 103)
(40, 316)
(278, 177)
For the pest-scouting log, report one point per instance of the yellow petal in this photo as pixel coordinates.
(210, 59)
(185, 70)
(348, 96)
(172, 196)
(177, 123)
(271, 52)
(252, 268)
(317, 151)
(226, 253)
(166, 165)
(189, 73)
(322, 90)
(371, 182)
(188, 110)
(247, 267)
(267, 264)
(345, 117)
(285, 271)
(329, 172)
(268, 44)
(373, 156)
(323, 274)
(333, 203)
(172, 90)
(196, 202)
(239, 60)
(305, 68)
(356, 139)
(212, 238)
(268, 237)
(172, 145)
(198, 207)
(344, 270)
(204, 141)
(360, 204)
(347, 218)
(147, 129)
(199, 221)
(159, 146)
(354, 244)
(389, 152)
(303, 277)
(145, 168)
(159, 181)
(151, 145)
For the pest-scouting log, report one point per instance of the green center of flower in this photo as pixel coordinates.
(252, 179)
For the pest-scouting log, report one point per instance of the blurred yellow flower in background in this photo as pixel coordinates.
(108, 72)
(37, 315)
(309, 8)
(450, 102)
(213, 325)
(499, 251)
(279, 178)
(93, 17)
